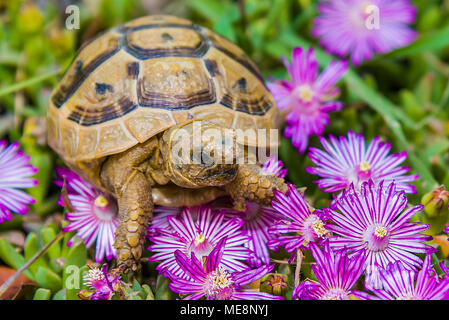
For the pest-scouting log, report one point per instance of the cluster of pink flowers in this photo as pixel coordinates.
(357, 28)
(214, 252)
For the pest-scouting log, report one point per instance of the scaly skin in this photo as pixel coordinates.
(250, 184)
(123, 175)
(135, 213)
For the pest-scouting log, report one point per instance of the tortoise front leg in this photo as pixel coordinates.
(135, 212)
(123, 175)
(254, 185)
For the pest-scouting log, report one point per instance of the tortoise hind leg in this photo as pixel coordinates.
(122, 176)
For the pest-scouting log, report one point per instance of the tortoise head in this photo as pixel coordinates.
(199, 154)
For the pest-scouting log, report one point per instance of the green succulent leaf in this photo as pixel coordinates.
(11, 257)
(42, 294)
(46, 278)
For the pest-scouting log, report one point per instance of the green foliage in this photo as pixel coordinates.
(402, 96)
(42, 294)
(58, 271)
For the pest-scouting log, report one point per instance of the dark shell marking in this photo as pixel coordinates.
(196, 47)
(80, 73)
(89, 117)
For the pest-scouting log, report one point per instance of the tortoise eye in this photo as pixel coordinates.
(206, 159)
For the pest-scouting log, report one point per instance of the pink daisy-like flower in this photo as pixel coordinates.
(94, 217)
(258, 219)
(308, 98)
(361, 28)
(199, 237)
(102, 285)
(211, 280)
(400, 283)
(160, 219)
(274, 166)
(301, 224)
(348, 161)
(376, 220)
(336, 274)
(15, 173)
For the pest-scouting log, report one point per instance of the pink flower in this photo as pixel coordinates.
(345, 161)
(300, 225)
(376, 220)
(15, 173)
(360, 27)
(95, 214)
(308, 98)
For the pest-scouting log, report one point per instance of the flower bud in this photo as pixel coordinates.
(85, 294)
(436, 211)
(31, 18)
(436, 202)
(274, 283)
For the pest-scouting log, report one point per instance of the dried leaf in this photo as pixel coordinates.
(14, 290)
(14, 237)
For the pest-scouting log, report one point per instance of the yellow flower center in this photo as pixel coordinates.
(380, 232)
(305, 93)
(218, 281)
(221, 279)
(199, 239)
(366, 6)
(364, 166)
(318, 227)
(101, 201)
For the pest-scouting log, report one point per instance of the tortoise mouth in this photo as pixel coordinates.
(216, 175)
(226, 174)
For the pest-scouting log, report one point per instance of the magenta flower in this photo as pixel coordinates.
(199, 238)
(400, 283)
(15, 173)
(301, 224)
(336, 274)
(308, 98)
(160, 219)
(95, 214)
(348, 161)
(274, 166)
(360, 28)
(215, 282)
(258, 219)
(102, 285)
(375, 220)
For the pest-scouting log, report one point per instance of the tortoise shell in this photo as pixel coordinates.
(145, 76)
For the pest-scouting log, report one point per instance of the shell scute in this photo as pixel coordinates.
(165, 42)
(240, 89)
(143, 124)
(99, 98)
(114, 138)
(88, 59)
(156, 20)
(174, 83)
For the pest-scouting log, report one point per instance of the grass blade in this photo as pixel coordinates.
(29, 82)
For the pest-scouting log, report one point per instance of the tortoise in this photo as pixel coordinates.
(115, 115)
